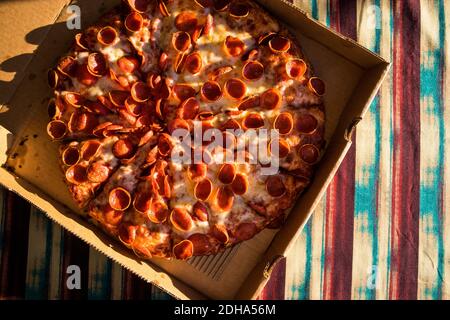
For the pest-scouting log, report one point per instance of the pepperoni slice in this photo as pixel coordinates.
(279, 44)
(97, 64)
(107, 36)
(133, 107)
(252, 70)
(230, 124)
(164, 144)
(138, 5)
(74, 99)
(123, 149)
(220, 71)
(181, 41)
(142, 202)
(158, 213)
(80, 40)
(275, 186)
(189, 109)
(271, 99)
(240, 184)
(253, 121)
(193, 63)
(197, 171)
(127, 233)
(317, 86)
(235, 88)
(84, 76)
(100, 129)
(52, 78)
(306, 123)
(186, 21)
(245, 231)
(67, 66)
(284, 123)
(140, 92)
(111, 216)
(54, 110)
(183, 92)
(234, 46)
(82, 122)
(204, 3)
(76, 174)
(111, 130)
(265, 38)
(211, 91)
(183, 250)
(96, 107)
(225, 198)
(250, 102)
(200, 211)
(98, 172)
(221, 5)
(70, 156)
(118, 97)
(134, 21)
(283, 148)
(226, 173)
(219, 231)
(128, 64)
(203, 189)
(295, 68)
(119, 199)
(90, 148)
(56, 129)
(239, 10)
(163, 9)
(250, 55)
(309, 153)
(200, 243)
(181, 220)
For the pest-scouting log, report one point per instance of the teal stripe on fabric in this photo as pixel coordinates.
(100, 282)
(442, 134)
(301, 290)
(38, 262)
(314, 10)
(430, 192)
(308, 255)
(158, 294)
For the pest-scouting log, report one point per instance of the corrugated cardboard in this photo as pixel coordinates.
(353, 76)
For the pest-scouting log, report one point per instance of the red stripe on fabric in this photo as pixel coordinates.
(406, 166)
(340, 196)
(13, 266)
(274, 289)
(134, 288)
(76, 253)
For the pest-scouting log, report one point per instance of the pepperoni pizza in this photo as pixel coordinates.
(149, 80)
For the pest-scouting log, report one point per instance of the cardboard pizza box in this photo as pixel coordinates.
(38, 35)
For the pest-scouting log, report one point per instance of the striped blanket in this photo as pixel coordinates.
(383, 229)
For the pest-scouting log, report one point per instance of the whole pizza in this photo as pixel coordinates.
(186, 126)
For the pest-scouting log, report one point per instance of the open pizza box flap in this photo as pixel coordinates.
(38, 35)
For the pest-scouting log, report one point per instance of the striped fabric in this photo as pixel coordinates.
(383, 229)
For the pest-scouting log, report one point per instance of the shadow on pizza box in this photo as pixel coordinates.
(38, 35)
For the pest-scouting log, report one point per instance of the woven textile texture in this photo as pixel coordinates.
(383, 229)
